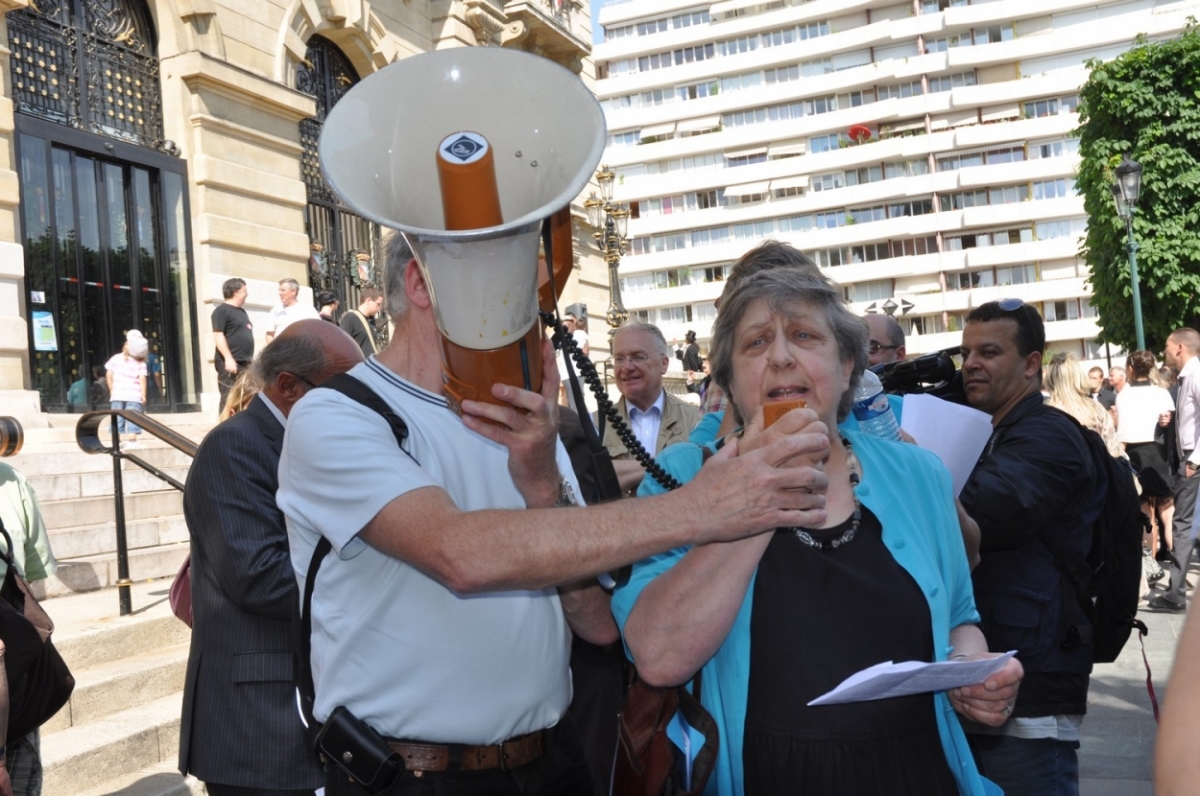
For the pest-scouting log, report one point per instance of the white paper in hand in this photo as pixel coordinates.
(956, 433)
(888, 679)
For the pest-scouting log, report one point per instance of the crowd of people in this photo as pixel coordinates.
(447, 564)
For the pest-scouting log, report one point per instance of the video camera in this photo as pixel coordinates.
(929, 374)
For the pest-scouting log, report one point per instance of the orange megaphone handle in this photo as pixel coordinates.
(470, 374)
(562, 244)
(470, 197)
(471, 200)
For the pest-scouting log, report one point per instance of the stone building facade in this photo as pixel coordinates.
(152, 149)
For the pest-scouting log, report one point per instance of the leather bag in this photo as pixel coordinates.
(181, 592)
(39, 682)
(648, 763)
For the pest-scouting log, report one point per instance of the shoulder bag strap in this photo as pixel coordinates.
(306, 692)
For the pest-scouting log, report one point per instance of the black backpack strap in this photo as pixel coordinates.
(306, 692)
(358, 391)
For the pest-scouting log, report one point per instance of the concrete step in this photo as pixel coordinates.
(101, 538)
(100, 509)
(89, 631)
(77, 758)
(68, 458)
(88, 573)
(50, 488)
(162, 779)
(107, 688)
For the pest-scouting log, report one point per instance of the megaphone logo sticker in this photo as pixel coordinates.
(464, 147)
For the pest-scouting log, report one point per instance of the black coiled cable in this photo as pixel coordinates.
(591, 378)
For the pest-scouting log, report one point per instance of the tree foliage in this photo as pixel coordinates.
(1145, 103)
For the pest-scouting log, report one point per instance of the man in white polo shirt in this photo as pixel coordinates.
(443, 618)
(290, 308)
(1180, 352)
(641, 358)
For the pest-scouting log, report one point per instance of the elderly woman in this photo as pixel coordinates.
(779, 619)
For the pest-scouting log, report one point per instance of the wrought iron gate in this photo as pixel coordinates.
(345, 250)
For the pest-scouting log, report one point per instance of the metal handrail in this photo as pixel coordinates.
(87, 435)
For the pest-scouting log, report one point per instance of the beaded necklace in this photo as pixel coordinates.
(856, 518)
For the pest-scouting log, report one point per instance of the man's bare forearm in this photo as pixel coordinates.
(588, 610)
(223, 346)
(629, 474)
(494, 550)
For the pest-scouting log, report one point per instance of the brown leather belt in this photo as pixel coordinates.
(510, 754)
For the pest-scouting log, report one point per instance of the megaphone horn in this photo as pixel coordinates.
(504, 139)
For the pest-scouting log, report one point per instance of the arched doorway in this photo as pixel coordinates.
(345, 249)
(104, 205)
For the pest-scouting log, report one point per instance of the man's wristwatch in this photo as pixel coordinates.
(566, 495)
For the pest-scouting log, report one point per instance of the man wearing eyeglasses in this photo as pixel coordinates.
(886, 341)
(640, 358)
(1032, 494)
(240, 733)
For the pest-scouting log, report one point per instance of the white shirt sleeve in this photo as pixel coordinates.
(334, 477)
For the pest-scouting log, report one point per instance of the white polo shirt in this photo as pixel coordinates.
(405, 654)
(282, 317)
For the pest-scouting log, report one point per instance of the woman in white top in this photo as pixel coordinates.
(127, 379)
(1141, 408)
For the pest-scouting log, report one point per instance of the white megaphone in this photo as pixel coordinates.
(466, 151)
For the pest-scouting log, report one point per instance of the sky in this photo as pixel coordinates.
(597, 33)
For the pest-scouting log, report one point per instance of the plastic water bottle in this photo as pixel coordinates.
(872, 410)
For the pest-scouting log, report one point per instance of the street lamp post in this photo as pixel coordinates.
(610, 223)
(1126, 191)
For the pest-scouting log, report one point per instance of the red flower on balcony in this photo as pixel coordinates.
(860, 134)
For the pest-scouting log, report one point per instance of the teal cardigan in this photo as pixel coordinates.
(908, 489)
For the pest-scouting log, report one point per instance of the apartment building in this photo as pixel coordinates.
(923, 152)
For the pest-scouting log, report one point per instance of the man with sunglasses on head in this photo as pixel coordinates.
(640, 358)
(1033, 494)
(885, 343)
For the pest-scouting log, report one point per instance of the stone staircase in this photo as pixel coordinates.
(119, 734)
(75, 490)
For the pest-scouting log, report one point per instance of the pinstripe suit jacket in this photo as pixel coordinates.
(240, 725)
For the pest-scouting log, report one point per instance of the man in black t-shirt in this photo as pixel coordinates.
(360, 323)
(233, 334)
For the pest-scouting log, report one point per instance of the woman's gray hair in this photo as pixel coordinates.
(396, 254)
(783, 289)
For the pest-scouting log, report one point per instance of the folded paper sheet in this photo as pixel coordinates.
(888, 679)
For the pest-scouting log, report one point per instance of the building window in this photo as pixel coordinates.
(1053, 149)
(907, 168)
(948, 82)
(1060, 228)
(1060, 310)
(1053, 189)
(900, 91)
(966, 280)
(869, 291)
(1016, 275)
(745, 160)
(827, 143)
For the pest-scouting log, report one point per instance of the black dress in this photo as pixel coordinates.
(818, 617)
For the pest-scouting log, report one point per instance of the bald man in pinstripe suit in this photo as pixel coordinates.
(240, 732)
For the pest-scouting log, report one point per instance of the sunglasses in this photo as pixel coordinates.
(874, 347)
(301, 378)
(1010, 304)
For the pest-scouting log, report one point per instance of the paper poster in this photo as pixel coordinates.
(37, 296)
(44, 336)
